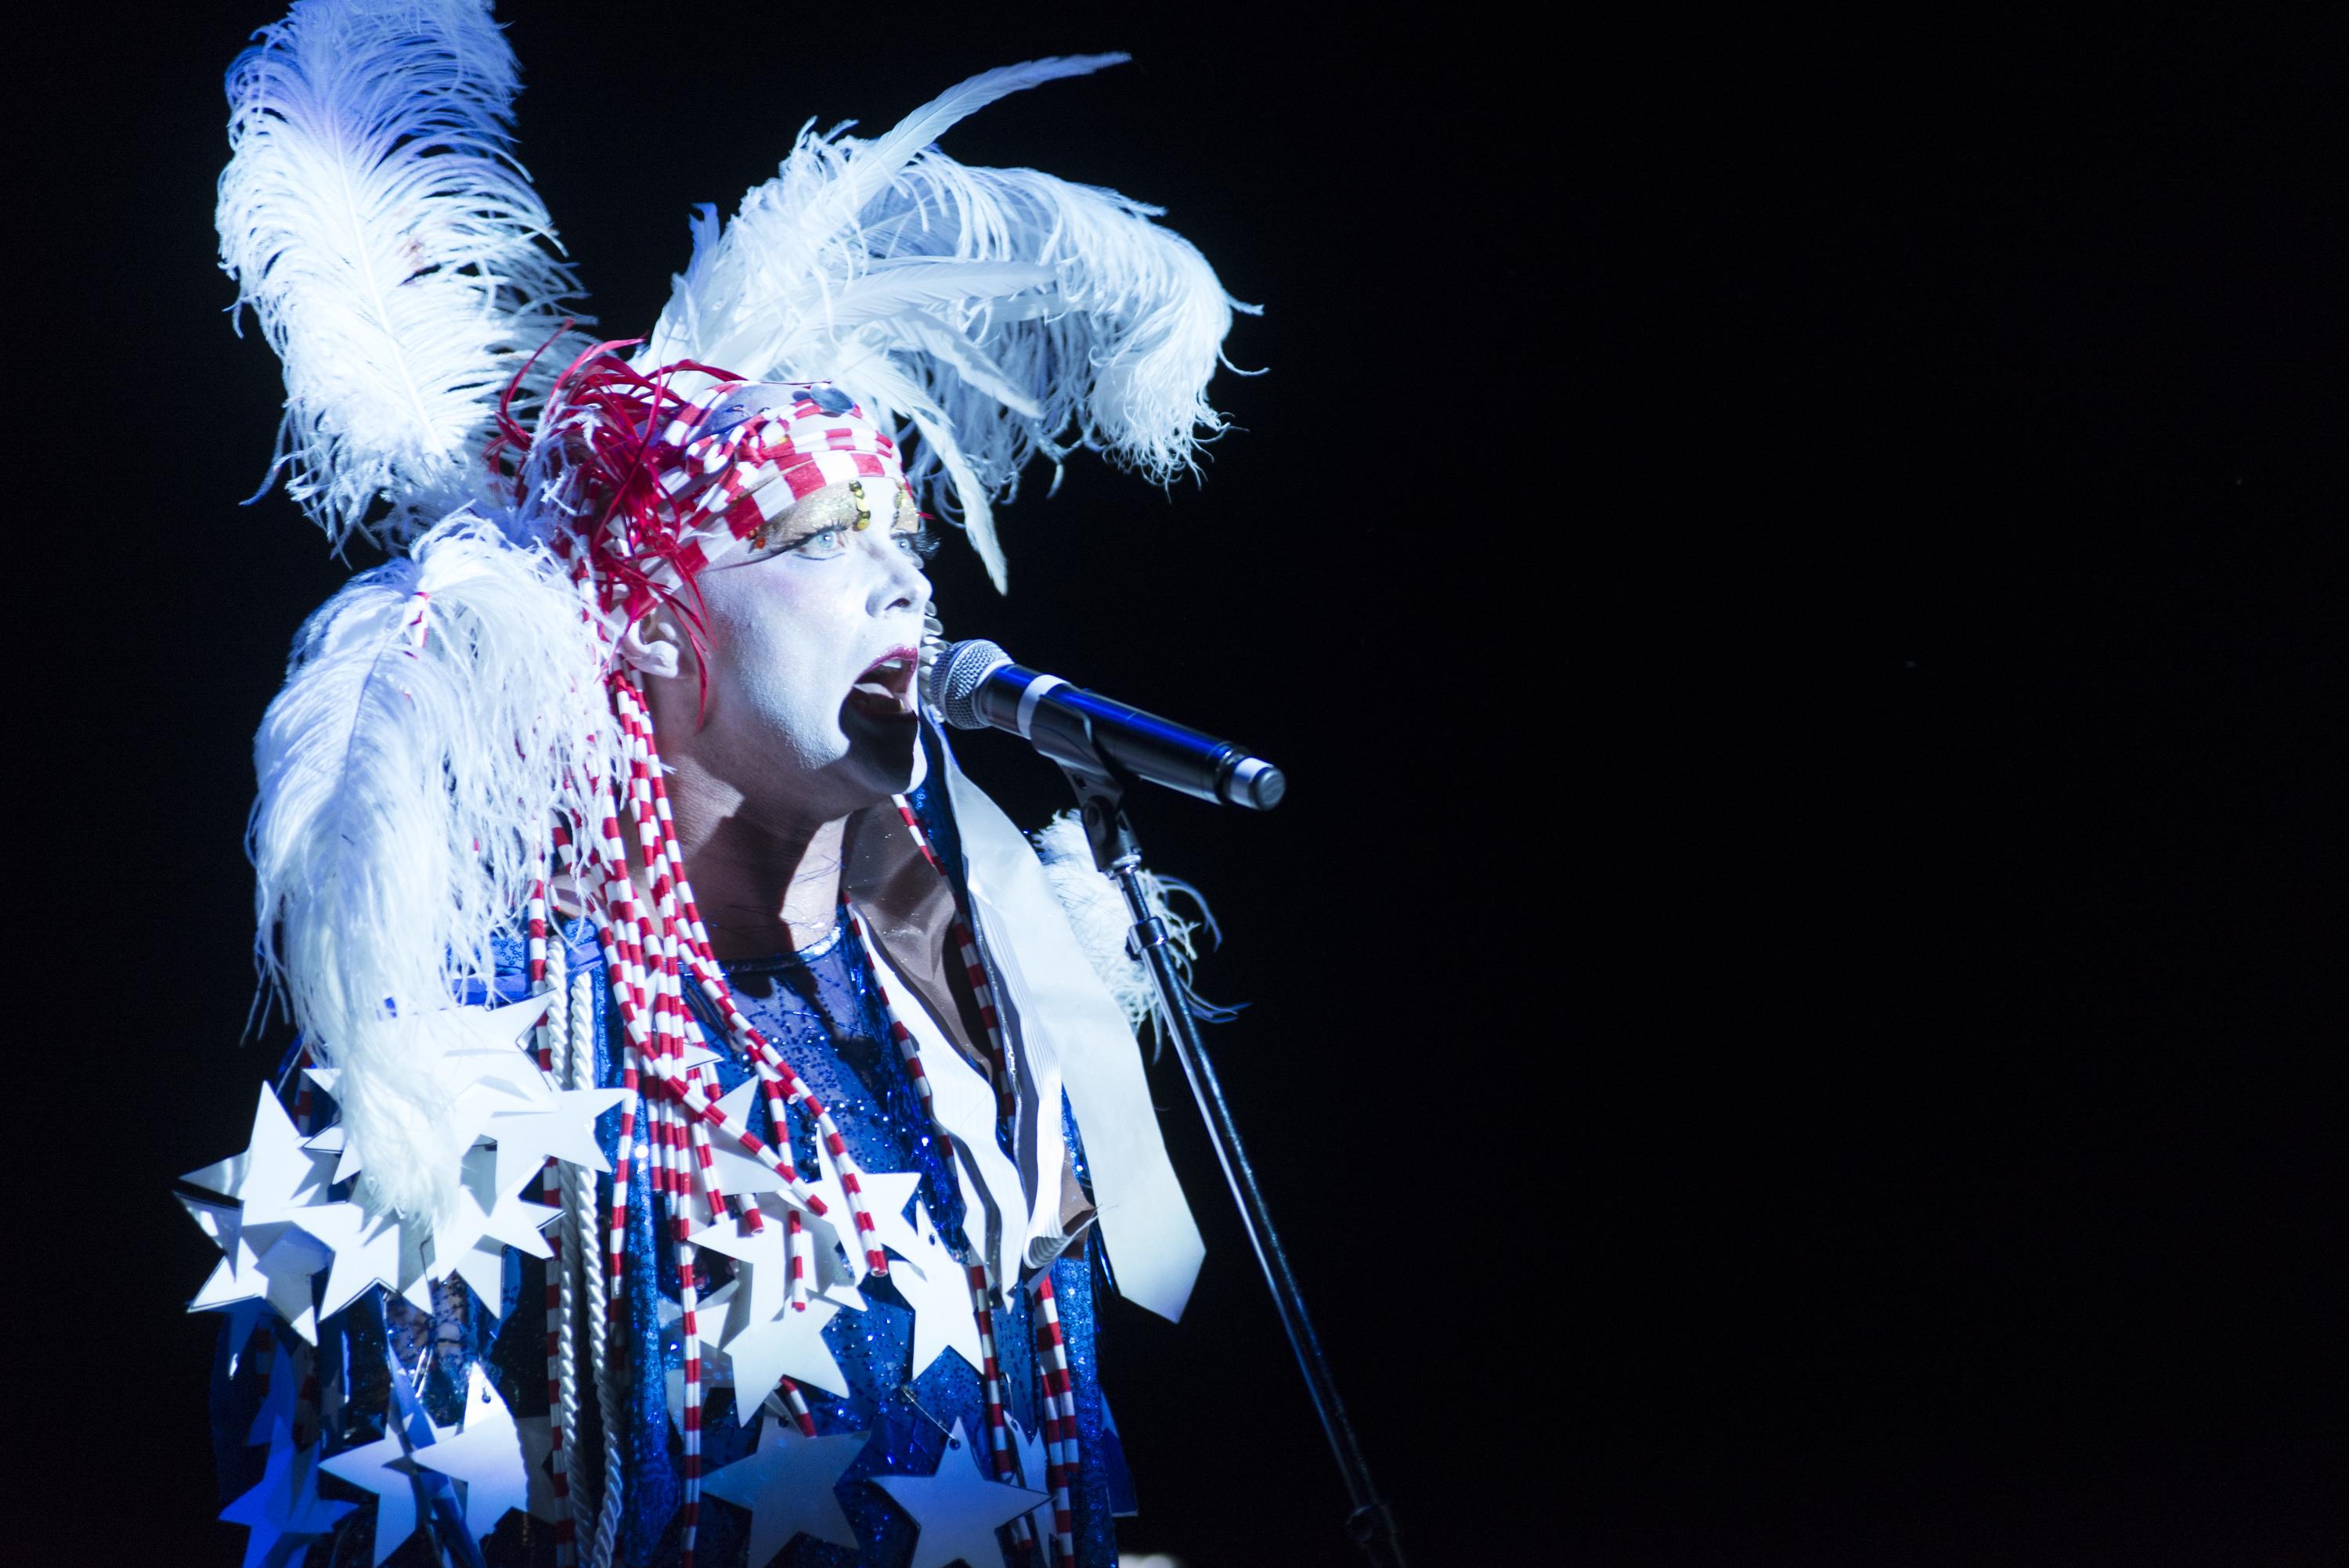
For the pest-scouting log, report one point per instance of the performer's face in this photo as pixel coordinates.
(812, 635)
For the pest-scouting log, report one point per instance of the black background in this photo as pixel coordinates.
(1797, 578)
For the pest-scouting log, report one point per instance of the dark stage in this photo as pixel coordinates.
(1793, 1003)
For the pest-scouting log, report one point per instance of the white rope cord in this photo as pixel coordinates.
(566, 1266)
(579, 1218)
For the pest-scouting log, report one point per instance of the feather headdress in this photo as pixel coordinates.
(1001, 312)
(392, 249)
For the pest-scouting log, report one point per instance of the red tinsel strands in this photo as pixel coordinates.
(537, 951)
(671, 1080)
(974, 966)
(1059, 1415)
(645, 1056)
(689, 1300)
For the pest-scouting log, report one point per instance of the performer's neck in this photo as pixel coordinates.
(766, 881)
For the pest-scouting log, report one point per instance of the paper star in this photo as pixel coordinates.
(271, 1261)
(334, 1140)
(484, 1458)
(275, 1175)
(282, 1273)
(887, 1193)
(561, 1127)
(1032, 1471)
(737, 1172)
(958, 1510)
(284, 1513)
(365, 1247)
(767, 1341)
(762, 1336)
(481, 1058)
(384, 1468)
(789, 1485)
(236, 1278)
(470, 1239)
(716, 1372)
(938, 1291)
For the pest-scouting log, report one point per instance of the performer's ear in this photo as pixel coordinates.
(653, 646)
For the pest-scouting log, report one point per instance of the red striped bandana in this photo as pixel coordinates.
(660, 483)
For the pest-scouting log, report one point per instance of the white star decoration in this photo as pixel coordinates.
(958, 1510)
(789, 1485)
(275, 1175)
(271, 1262)
(484, 1458)
(766, 1340)
(1032, 1470)
(938, 1291)
(469, 1240)
(284, 1513)
(276, 1183)
(751, 1320)
(366, 1250)
(383, 1468)
(562, 1126)
(840, 1265)
(284, 1227)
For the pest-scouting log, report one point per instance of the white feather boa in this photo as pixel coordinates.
(390, 248)
(1097, 913)
(437, 715)
(1001, 312)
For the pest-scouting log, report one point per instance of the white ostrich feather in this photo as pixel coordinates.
(437, 714)
(392, 249)
(1097, 913)
(999, 313)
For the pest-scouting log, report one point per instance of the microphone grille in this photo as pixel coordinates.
(956, 677)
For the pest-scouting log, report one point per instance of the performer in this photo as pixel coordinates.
(707, 1130)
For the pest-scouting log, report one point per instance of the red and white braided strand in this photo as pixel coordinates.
(1059, 1415)
(998, 1435)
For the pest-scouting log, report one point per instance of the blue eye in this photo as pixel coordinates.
(823, 542)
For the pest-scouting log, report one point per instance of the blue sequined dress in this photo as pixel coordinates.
(821, 1010)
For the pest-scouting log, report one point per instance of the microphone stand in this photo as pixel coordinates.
(1100, 786)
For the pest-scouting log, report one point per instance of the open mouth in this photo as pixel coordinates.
(886, 687)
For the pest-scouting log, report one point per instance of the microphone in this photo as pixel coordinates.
(976, 685)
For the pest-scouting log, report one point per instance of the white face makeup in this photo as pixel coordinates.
(811, 634)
